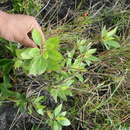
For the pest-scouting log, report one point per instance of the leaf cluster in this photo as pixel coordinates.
(57, 118)
(109, 38)
(35, 61)
(62, 91)
(30, 7)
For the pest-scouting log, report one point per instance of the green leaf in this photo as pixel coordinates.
(27, 53)
(107, 47)
(91, 51)
(57, 110)
(55, 55)
(71, 53)
(63, 121)
(37, 104)
(63, 113)
(69, 82)
(68, 62)
(54, 60)
(56, 126)
(112, 43)
(37, 37)
(61, 91)
(38, 99)
(52, 43)
(54, 94)
(112, 32)
(78, 64)
(92, 58)
(104, 32)
(45, 55)
(18, 63)
(26, 65)
(50, 115)
(18, 52)
(38, 65)
(70, 57)
(88, 62)
(40, 111)
(62, 95)
(80, 77)
(53, 65)
(5, 61)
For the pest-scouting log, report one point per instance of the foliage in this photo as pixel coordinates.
(36, 61)
(91, 83)
(86, 53)
(109, 38)
(57, 118)
(62, 91)
(6, 66)
(30, 7)
(37, 37)
(37, 104)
